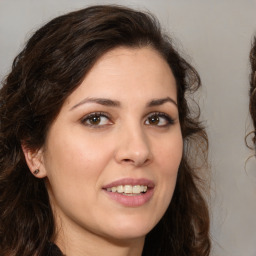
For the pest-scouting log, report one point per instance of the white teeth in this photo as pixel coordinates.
(120, 189)
(128, 189)
(137, 189)
(114, 189)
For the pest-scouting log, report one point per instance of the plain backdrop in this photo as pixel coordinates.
(215, 36)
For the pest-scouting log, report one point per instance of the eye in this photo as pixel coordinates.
(159, 119)
(96, 119)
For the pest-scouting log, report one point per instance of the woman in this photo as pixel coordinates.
(253, 85)
(98, 142)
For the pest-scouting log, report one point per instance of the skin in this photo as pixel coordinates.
(81, 155)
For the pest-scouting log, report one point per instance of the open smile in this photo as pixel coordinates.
(128, 189)
(130, 192)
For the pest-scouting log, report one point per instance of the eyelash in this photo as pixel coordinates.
(169, 120)
(94, 115)
(84, 120)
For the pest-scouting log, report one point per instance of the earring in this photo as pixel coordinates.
(36, 171)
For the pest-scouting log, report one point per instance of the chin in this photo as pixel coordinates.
(126, 230)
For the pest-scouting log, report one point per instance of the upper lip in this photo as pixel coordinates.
(130, 181)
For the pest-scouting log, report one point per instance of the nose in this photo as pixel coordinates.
(133, 147)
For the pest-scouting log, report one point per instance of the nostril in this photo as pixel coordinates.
(135, 162)
(127, 160)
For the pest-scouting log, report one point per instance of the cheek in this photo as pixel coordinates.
(169, 153)
(73, 162)
(73, 171)
(167, 158)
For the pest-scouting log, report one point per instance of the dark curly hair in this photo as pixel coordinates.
(252, 105)
(52, 65)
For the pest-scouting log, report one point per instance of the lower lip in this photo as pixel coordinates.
(131, 201)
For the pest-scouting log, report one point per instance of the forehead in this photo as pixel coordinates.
(124, 56)
(128, 72)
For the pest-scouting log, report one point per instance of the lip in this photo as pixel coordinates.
(134, 200)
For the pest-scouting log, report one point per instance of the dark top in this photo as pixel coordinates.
(53, 250)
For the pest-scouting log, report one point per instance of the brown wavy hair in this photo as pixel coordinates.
(52, 65)
(252, 105)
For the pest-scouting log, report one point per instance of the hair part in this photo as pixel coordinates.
(52, 65)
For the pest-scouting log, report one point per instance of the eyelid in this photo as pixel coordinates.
(94, 114)
(169, 119)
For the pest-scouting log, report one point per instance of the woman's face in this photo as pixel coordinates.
(111, 157)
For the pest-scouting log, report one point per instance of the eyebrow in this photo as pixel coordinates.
(115, 103)
(101, 101)
(158, 102)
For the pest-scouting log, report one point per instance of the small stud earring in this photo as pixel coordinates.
(36, 171)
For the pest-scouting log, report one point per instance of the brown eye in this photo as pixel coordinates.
(96, 119)
(159, 120)
(153, 120)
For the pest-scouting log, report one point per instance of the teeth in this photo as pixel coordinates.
(128, 189)
(114, 189)
(120, 189)
(137, 189)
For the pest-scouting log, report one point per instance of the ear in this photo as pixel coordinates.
(34, 159)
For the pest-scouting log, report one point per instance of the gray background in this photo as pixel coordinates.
(216, 36)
